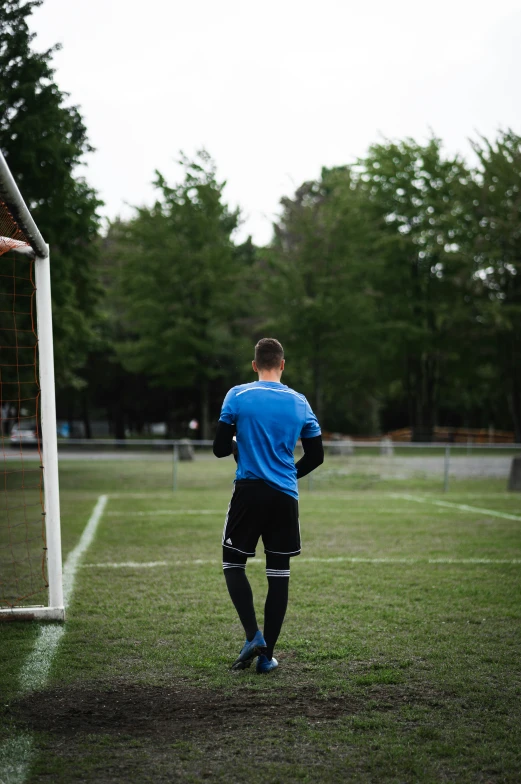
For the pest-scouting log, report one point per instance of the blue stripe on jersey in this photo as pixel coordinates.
(268, 427)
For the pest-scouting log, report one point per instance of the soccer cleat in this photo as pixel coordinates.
(249, 652)
(266, 665)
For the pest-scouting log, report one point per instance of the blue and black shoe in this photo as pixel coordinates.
(249, 652)
(266, 665)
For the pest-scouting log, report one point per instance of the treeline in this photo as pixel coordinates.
(398, 284)
(394, 283)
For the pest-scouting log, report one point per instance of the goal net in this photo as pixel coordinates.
(30, 549)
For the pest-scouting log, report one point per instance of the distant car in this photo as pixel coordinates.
(24, 434)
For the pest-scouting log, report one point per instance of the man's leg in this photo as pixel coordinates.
(277, 572)
(234, 566)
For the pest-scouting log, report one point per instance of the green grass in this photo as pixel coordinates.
(390, 671)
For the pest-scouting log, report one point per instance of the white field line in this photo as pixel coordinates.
(147, 496)
(35, 671)
(355, 494)
(500, 496)
(335, 559)
(16, 753)
(73, 559)
(15, 757)
(221, 512)
(461, 507)
(129, 565)
(169, 512)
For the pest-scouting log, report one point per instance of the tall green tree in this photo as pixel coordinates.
(177, 283)
(44, 140)
(320, 300)
(419, 203)
(497, 269)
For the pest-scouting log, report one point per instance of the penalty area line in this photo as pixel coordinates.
(35, 671)
(16, 753)
(461, 507)
(331, 560)
(153, 513)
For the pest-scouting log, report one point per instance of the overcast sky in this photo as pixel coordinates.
(276, 89)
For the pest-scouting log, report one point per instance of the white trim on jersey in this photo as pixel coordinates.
(272, 389)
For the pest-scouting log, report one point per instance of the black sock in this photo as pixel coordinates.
(240, 592)
(277, 571)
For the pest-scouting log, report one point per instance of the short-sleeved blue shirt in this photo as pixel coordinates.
(269, 418)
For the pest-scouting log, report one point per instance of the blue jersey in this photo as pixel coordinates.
(269, 418)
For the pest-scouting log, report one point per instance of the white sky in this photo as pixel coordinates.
(276, 90)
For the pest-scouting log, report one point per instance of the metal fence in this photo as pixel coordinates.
(436, 463)
(348, 464)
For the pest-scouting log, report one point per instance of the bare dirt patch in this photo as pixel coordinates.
(107, 732)
(140, 709)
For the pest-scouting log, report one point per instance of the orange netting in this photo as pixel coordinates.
(11, 236)
(22, 530)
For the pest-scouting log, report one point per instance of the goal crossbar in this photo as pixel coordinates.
(11, 196)
(24, 223)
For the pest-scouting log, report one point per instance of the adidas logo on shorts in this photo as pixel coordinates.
(228, 541)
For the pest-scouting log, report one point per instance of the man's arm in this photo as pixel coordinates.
(313, 456)
(223, 443)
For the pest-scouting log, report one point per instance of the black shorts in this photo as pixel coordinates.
(258, 510)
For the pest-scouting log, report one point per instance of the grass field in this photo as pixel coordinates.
(399, 659)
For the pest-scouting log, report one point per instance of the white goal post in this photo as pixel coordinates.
(39, 250)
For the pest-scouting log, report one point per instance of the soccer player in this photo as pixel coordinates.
(267, 418)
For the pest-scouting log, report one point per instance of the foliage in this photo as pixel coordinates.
(319, 297)
(497, 267)
(44, 140)
(394, 283)
(417, 197)
(177, 267)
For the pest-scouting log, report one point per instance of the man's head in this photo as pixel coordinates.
(269, 357)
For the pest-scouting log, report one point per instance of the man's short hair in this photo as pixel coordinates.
(268, 354)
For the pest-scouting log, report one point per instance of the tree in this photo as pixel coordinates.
(44, 141)
(178, 272)
(420, 207)
(320, 301)
(497, 268)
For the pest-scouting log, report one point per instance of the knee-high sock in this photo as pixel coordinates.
(277, 572)
(240, 592)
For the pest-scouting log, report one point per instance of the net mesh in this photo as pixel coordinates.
(11, 235)
(22, 532)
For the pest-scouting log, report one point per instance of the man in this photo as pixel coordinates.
(267, 418)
